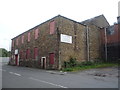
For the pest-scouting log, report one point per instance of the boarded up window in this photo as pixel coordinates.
(36, 33)
(52, 27)
(17, 41)
(27, 53)
(51, 58)
(28, 36)
(22, 39)
(21, 54)
(35, 53)
(12, 43)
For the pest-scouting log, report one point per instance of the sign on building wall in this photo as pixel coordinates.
(66, 38)
(16, 51)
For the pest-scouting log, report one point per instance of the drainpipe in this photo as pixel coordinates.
(87, 39)
(59, 51)
(105, 45)
(58, 39)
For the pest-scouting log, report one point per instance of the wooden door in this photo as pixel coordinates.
(51, 58)
(16, 60)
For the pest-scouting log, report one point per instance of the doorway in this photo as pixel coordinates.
(16, 60)
(43, 62)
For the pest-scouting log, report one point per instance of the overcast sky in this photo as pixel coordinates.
(17, 16)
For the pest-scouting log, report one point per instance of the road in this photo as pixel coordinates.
(0, 75)
(23, 77)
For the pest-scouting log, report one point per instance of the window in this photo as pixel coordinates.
(12, 43)
(35, 53)
(36, 33)
(27, 53)
(51, 58)
(17, 41)
(21, 54)
(22, 39)
(28, 36)
(52, 27)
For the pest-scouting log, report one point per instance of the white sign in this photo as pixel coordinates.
(66, 38)
(16, 51)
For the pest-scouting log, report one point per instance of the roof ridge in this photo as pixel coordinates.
(47, 21)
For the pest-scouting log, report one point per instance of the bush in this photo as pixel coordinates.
(87, 63)
(71, 63)
(4, 53)
(73, 66)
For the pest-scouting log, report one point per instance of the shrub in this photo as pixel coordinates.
(71, 63)
(87, 63)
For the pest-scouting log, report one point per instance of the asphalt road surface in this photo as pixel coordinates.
(23, 77)
(0, 76)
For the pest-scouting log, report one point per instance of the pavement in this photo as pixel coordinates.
(24, 77)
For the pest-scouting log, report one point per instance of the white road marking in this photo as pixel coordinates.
(11, 72)
(15, 73)
(47, 82)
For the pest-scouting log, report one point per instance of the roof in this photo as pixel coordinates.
(99, 21)
(47, 21)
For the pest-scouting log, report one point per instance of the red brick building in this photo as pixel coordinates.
(110, 43)
(110, 37)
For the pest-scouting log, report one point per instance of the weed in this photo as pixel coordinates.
(87, 65)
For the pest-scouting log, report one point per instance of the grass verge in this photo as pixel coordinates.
(95, 65)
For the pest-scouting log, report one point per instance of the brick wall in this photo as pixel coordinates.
(113, 44)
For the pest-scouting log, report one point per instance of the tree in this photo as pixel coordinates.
(4, 52)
